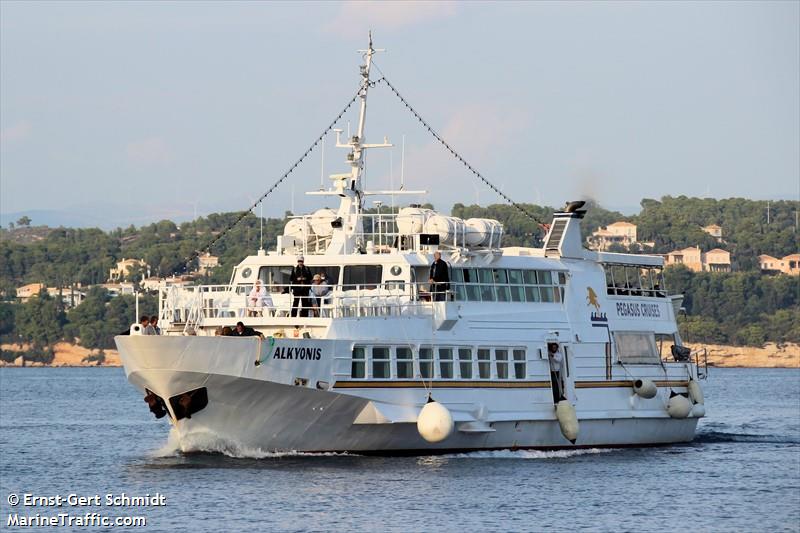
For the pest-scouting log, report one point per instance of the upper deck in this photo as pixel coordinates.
(392, 282)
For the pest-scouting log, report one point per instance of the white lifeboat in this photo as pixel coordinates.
(483, 232)
(450, 230)
(411, 220)
(321, 222)
(298, 229)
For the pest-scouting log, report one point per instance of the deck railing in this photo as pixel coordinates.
(191, 306)
(381, 235)
(701, 362)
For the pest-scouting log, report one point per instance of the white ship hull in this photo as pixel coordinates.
(246, 409)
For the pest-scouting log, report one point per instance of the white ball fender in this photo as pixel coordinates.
(567, 420)
(645, 388)
(679, 406)
(695, 392)
(435, 423)
(699, 410)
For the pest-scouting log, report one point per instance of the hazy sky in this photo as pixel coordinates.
(140, 110)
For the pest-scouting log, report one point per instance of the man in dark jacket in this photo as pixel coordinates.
(245, 331)
(439, 278)
(301, 287)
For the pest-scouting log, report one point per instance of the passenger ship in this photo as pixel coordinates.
(383, 367)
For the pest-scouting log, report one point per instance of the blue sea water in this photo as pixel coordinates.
(85, 431)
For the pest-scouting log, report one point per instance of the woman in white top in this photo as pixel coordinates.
(257, 300)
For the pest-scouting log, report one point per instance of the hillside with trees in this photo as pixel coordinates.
(742, 307)
(677, 222)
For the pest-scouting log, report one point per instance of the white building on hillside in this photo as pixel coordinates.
(622, 233)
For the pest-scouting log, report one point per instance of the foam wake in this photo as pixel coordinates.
(724, 436)
(209, 442)
(528, 454)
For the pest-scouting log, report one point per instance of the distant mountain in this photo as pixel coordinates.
(54, 219)
(106, 217)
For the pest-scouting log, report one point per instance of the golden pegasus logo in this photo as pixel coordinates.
(591, 298)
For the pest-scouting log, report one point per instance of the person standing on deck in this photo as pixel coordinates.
(439, 278)
(319, 293)
(147, 329)
(301, 287)
(556, 359)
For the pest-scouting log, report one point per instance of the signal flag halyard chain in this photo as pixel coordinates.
(456, 154)
(329, 128)
(275, 185)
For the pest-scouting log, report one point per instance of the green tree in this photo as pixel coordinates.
(40, 321)
(87, 321)
(7, 327)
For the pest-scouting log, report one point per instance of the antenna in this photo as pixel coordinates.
(403, 163)
(767, 212)
(391, 175)
(261, 225)
(322, 167)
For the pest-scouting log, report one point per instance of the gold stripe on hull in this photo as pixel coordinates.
(619, 383)
(442, 384)
(492, 384)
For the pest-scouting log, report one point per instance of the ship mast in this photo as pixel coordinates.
(362, 115)
(348, 228)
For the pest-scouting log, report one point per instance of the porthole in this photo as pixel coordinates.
(246, 272)
(396, 270)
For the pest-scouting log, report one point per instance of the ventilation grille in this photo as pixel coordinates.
(559, 225)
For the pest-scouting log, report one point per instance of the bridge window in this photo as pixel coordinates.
(446, 363)
(380, 362)
(405, 362)
(501, 285)
(507, 285)
(357, 370)
(472, 289)
(465, 362)
(516, 288)
(486, 278)
(278, 277)
(457, 283)
(365, 276)
(426, 362)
